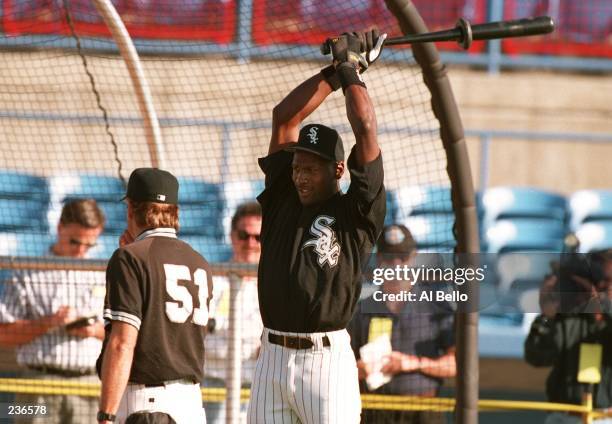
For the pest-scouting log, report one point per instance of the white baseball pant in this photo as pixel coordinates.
(318, 385)
(181, 400)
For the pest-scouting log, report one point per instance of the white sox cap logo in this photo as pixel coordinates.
(324, 243)
(313, 136)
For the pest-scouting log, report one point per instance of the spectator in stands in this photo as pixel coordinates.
(37, 306)
(422, 341)
(557, 334)
(245, 232)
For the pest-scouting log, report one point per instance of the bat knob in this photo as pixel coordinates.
(466, 33)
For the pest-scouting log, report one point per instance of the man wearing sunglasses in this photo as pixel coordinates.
(51, 317)
(246, 247)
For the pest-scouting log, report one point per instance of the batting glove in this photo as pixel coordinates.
(346, 48)
(371, 45)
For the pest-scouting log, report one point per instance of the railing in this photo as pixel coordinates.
(485, 136)
(246, 28)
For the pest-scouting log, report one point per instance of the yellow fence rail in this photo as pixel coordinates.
(369, 401)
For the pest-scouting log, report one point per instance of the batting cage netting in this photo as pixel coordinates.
(72, 128)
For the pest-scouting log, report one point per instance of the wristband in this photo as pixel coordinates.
(329, 73)
(105, 416)
(348, 75)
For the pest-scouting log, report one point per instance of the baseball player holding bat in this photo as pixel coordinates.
(314, 242)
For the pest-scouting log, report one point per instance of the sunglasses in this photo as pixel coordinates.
(76, 242)
(243, 235)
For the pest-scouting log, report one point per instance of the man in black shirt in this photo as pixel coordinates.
(314, 242)
(421, 336)
(156, 310)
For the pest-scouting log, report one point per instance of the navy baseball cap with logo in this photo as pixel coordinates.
(320, 140)
(396, 240)
(152, 185)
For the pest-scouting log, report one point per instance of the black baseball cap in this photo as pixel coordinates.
(396, 239)
(320, 140)
(152, 185)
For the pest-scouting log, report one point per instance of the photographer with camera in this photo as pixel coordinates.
(576, 311)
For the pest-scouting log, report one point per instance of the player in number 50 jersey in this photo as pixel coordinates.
(156, 310)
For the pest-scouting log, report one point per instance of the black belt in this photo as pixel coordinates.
(64, 373)
(295, 342)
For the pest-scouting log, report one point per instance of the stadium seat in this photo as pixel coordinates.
(525, 234)
(23, 214)
(116, 216)
(99, 187)
(200, 219)
(194, 190)
(594, 236)
(105, 247)
(235, 193)
(25, 243)
(515, 202)
(416, 200)
(512, 267)
(431, 230)
(590, 205)
(15, 185)
(212, 249)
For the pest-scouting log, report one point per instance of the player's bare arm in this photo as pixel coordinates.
(360, 112)
(294, 108)
(116, 364)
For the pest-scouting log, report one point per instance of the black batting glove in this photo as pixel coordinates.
(346, 49)
(371, 45)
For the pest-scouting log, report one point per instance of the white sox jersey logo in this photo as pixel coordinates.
(313, 136)
(324, 243)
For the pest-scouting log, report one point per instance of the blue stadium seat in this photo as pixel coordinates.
(234, 194)
(212, 249)
(25, 243)
(512, 267)
(23, 214)
(105, 247)
(194, 190)
(590, 205)
(595, 236)
(116, 216)
(200, 219)
(516, 202)
(525, 234)
(99, 187)
(431, 230)
(417, 200)
(15, 185)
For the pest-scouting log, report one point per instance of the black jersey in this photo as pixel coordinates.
(311, 257)
(162, 287)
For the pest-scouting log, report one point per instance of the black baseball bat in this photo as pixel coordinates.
(464, 33)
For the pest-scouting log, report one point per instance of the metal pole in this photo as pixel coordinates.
(232, 404)
(141, 87)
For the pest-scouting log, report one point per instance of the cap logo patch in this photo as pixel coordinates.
(161, 197)
(313, 135)
(394, 235)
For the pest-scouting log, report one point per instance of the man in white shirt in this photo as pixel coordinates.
(245, 238)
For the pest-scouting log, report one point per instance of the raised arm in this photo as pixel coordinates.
(352, 54)
(296, 106)
(360, 113)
